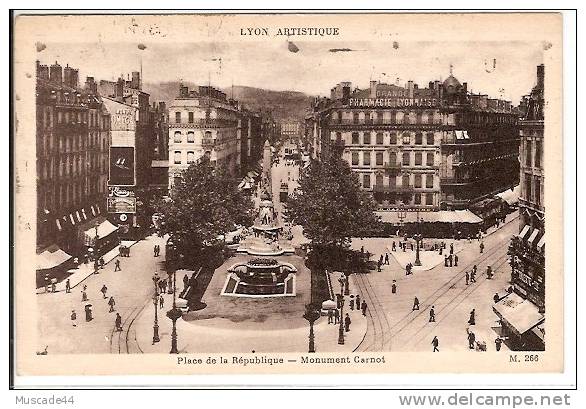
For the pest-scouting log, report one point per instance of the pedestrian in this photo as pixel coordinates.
(53, 285)
(330, 316)
(451, 248)
(161, 302)
(102, 263)
(456, 260)
(67, 286)
(415, 304)
(473, 277)
(467, 278)
(404, 247)
(471, 339)
(394, 247)
(496, 298)
(441, 250)
(498, 342)
(432, 314)
(352, 302)
(111, 303)
(104, 289)
(474, 269)
(118, 322)
(47, 281)
(445, 260)
(481, 247)
(347, 322)
(394, 287)
(381, 259)
(358, 301)
(83, 295)
(450, 260)
(73, 318)
(435, 343)
(155, 250)
(117, 266)
(363, 307)
(336, 316)
(378, 265)
(96, 266)
(387, 258)
(489, 273)
(185, 281)
(472, 320)
(88, 312)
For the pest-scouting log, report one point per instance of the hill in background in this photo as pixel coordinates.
(282, 104)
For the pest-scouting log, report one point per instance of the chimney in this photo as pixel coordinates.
(430, 86)
(372, 89)
(119, 89)
(540, 76)
(346, 93)
(42, 71)
(70, 77)
(56, 73)
(91, 85)
(465, 88)
(135, 83)
(410, 88)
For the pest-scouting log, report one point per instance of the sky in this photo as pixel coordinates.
(499, 69)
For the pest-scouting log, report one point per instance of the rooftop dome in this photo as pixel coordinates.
(452, 83)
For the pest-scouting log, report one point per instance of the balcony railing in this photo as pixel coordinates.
(205, 123)
(394, 189)
(208, 142)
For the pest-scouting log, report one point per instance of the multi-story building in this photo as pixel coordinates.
(527, 249)
(203, 122)
(159, 181)
(73, 138)
(291, 129)
(431, 148)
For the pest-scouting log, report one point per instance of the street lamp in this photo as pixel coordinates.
(417, 238)
(174, 314)
(155, 302)
(311, 315)
(341, 327)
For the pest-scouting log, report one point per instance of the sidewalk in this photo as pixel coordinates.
(83, 271)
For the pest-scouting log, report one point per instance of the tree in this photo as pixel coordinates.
(330, 205)
(204, 204)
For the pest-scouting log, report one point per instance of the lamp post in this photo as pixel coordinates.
(417, 238)
(155, 302)
(174, 314)
(341, 327)
(311, 315)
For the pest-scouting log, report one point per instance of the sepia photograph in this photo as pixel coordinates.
(286, 192)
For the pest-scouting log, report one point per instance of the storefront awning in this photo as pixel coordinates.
(104, 229)
(51, 258)
(442, 216)
(511, 196)
(533, 236)
(522, 315)
(541, 243)
(524, 232)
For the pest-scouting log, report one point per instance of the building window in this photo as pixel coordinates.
(190, 117)
(538, 153)
(528, 153)
(430, 138)
(429, 181)
(418, 158)
(406, 118)
(429, 159)
(190, 136)
(418, 138)
(405, 181)
(417, 200)
(366, 158)
(430, 117)
(355, 159)
(355, 138)
(366, 138)
(355, 117)
(419, 118)
(537, 187)
(393, 117)
(406, 158)
(177, 157)
(338, 137)
(528, 187)
(429, 199)
(392, 158)
(177, 137)
(366, 181)
(393, 138)
(190, 157)
(379, 138)
(417, 181)
(379, 158)
(379, 180)
(178, 117)
(406, 138)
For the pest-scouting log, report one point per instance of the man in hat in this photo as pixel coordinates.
(363, 307)
(67, 286)
(432, 314)
(467, 277)
(104, 290)
(117, 266)
(435, 343)
(347, 322)
(336, 316)
(111, 303)
(118, 322)
(415, 304)
(471, 339)
(73, 318)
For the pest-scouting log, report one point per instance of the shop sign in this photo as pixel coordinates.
(393, 102)
(121, 205)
